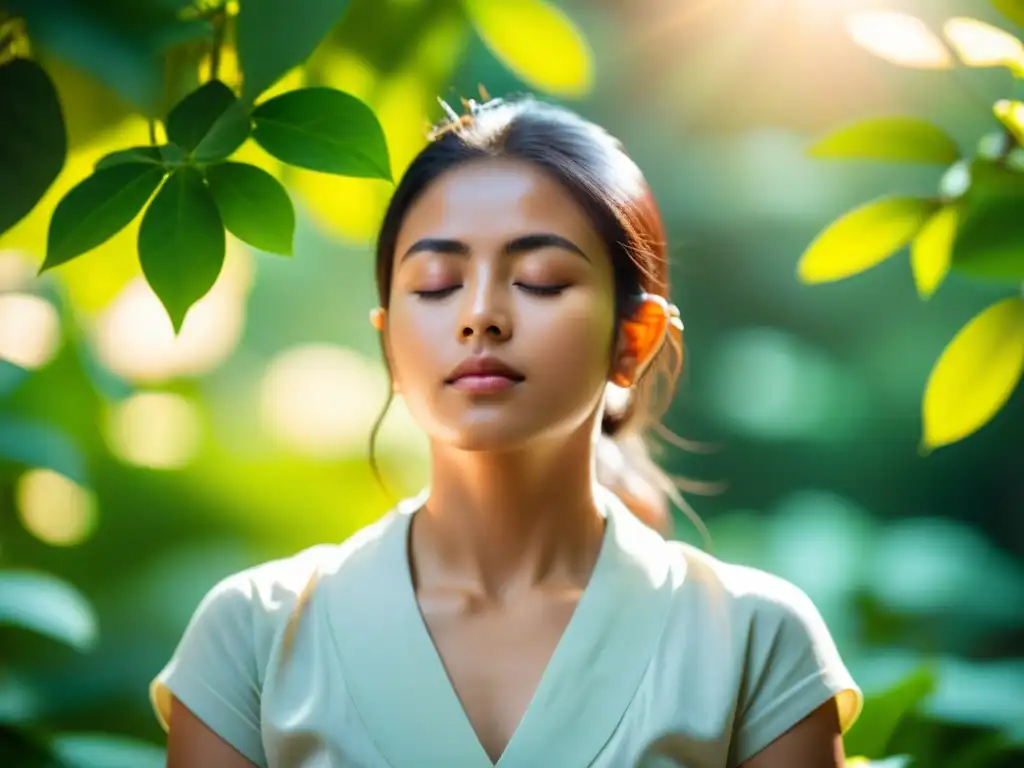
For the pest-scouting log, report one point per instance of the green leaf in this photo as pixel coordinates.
(132, 155)
(253, 205)
(34, 444)
(975, 375)
(209, 122)
(33, 144)
(275, 35)
(990, 242)
(900, 139)
(323, 129)
(98, 208)
(931, 252)
(872, 732)
(1011, 9)
(101, 749)
(181, 243)
(864, 238)
(47, 606)
(537, 42)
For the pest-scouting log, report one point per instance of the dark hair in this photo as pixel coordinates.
(592, 167)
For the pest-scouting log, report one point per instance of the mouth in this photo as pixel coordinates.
(484, 375)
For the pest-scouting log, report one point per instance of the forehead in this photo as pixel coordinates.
(496, 200)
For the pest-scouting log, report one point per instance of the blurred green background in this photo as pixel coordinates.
(140, 468)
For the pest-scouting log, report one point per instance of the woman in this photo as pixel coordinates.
(517, 613)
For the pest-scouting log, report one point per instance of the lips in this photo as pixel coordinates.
(484, 374)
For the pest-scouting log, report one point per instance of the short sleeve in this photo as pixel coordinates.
(213, 670)
(793, 667)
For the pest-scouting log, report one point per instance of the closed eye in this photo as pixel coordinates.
(543, 290)
(437, 293)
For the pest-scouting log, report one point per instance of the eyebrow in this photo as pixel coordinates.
(513, 247)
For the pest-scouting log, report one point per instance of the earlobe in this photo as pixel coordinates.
(377, 315)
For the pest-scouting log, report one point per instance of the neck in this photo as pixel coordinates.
(498, 522)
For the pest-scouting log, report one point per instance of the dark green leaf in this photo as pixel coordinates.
(172, 154)
(900, 139)
(275, 35)
(132, 155)
(33, 444)
(48, 606)
(98, 208)
(181, 243)
(323, 129)
(92, 750)
(209, 121)
(33, 145)
(254, 206)
(871, 734)
(1011, 9)
(990, 241)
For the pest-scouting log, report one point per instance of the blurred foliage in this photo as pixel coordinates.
(972, 225)
(148, 448)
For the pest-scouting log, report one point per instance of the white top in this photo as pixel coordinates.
(669, 654)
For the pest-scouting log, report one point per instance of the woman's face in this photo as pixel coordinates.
(501, 322)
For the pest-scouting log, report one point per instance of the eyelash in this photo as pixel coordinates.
(536, 290)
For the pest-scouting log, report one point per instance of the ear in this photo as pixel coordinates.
(640, 337)
(377, 317)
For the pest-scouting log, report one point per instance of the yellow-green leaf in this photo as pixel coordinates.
(537, 41)
(975, 375)
(1011, 114)
(902, 139)
(1012, 9)
(864, 238)
(931, 252)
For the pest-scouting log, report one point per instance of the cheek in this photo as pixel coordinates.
(577, 344)
(413, 342)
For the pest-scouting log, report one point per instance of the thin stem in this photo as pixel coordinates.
(219, 22)
(152, 131)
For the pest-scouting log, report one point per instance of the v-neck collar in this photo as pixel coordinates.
(402, 691)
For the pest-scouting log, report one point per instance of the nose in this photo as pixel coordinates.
(485, 316)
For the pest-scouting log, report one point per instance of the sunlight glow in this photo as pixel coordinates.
(29, 330)
(15, 271)
(981, 45)
(154, 429)
(899, 39)
(134, 337)
(321, 400)
(54, 509)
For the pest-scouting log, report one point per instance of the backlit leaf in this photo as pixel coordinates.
(899, 38)
(863, 238)
(33, 145)
(903, 139)
(131, 155)
(975, 375)
(931, 252)
(882, 712)
(990, 241)
(536, 41)
(254, 206)
(982, 45)
(323, 129)
(274, 36)
(48, 606)
(98, 208)
(1011, 114)
(181, 243)
(209, 122)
